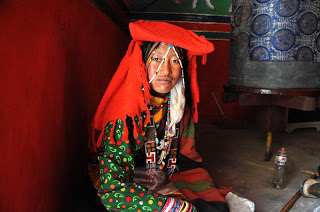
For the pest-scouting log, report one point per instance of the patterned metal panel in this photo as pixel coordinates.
(278, 30)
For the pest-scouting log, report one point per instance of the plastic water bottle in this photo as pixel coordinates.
(279, 180)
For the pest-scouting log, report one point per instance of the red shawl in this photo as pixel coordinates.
(124, 95)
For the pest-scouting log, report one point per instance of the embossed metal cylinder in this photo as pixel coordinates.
(275, 44)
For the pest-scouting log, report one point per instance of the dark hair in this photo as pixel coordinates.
(147, 49)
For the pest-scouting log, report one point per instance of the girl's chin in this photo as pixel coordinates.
(163, 91)
(159, 92)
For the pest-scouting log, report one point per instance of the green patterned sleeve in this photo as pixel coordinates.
(118, 192)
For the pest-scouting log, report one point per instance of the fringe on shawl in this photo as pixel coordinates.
(138, 129)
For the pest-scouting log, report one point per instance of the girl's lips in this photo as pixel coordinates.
(164, 80)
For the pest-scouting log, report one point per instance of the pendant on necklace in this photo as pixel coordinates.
(161, 145)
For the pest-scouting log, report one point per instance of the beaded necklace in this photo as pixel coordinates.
(167, 140)
(153, 144)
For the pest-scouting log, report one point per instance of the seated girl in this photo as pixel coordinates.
(144, 126)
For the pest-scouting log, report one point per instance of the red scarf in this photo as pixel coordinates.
(124, 95)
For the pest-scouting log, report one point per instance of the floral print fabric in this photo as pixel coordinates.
(118, 192)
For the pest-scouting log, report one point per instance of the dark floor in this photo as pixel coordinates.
(235, 159)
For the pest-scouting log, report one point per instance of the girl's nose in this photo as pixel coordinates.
(165, 68)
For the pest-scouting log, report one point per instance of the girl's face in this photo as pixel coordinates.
(170, 70)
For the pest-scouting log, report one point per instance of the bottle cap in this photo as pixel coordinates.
(282, 150)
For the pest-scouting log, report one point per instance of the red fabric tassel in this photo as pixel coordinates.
(204, 59)
(192, 71)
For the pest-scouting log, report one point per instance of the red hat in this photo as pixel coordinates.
(124, 95)
(168, 33)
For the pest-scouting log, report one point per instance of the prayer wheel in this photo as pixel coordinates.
(275, 44)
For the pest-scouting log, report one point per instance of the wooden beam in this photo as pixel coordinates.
(305, 103)
(254, 99)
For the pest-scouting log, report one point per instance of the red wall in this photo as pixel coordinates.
(56, 58)
(211, 78)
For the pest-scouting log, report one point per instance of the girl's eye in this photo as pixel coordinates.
(156, 59)
(175, 61)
